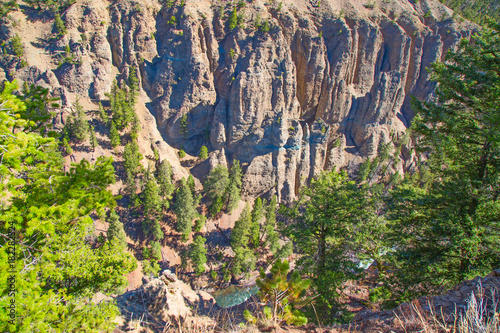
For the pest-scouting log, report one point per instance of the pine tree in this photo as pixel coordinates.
(57, 255)
(198, 255)
(93, 139)
(152, 200)
(257, 213)
(234, 188)
(283, 295)
(243, 261)
(115, 229)
(233, 19)
(164, 177)
(78, 126)
(103, 115)
(215, 187)
(132, 158)
(156, 231)
(240, 236)
(133, 84)
(446, 231)
(203, 155)
(272, 236)
(185, 209)
(323, 225)
(114, 136)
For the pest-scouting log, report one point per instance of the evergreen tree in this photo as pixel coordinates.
(240, 236)
(164, 177)
(215, 187)
(17, 46)
(233, 19)
(152, 200)
(243, 261)
(56, 255)
(203, 155)
(77, 124)
(272, 236)
(156, 231)
(156, 251)
(234, 188)
(93, 139)
(198, 255)
(184, 209)
(284, 297)
(103, 115)
(132, 158)
(114, 136)
(323, 226)
(446, 231)
(133, 84)
(115, 229)
(257, 214)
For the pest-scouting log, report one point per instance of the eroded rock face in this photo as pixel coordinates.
(324, 87)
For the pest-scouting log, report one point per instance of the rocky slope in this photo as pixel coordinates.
(298, 87)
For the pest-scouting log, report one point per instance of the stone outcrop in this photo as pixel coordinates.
(296, 88)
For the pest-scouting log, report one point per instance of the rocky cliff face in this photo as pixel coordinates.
(298, 87)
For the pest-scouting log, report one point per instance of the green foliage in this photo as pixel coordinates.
(265, 26)
(114, 136)
(151, 198)
(172, 21)
(232, 53)
(477, 11)
(133, 84)
(122, 100)
(235, 182)
(59, 25)
(215, 187)
(185, 209)
(150, 267)
(200, 223)
(39, 109)
(93, 139)
(283, 296)
(183, 125)
(132, 158)
(77, 124)
(257, 214)
(115, 229)
(58, 263)
(323, 224)
(446, 229)
(203, 155)
(6, 7)
(233, 19)
(198, 255)
(244, 259)
(164, 178)
(272, 236)
(240, 236)
(103, 115)
(17, 46)
(182, 153)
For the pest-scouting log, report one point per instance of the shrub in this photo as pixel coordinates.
(203, 155)
(182, 153)
(59, 24)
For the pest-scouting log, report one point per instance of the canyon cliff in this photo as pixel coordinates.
(287, 88)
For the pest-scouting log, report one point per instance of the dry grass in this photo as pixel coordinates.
(482, 316)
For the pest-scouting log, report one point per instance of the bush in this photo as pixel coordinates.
(203, 155)
(59, 24)
(182, 153)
